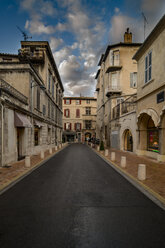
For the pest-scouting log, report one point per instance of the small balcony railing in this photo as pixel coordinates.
(124, 107)
(113, 89)
(36, 55)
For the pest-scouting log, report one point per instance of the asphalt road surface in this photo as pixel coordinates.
(76, 200)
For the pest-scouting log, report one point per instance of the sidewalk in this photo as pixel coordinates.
(14, 171)
(155, 171)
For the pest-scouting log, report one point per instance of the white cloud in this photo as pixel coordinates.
(62, 54)
(37, 27)
(55, 43)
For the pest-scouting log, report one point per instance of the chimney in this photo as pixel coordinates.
(128, 36)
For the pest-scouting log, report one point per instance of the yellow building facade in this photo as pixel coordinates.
(79, 118)
(151, 94)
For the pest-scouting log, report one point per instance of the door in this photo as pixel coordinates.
(20, 132)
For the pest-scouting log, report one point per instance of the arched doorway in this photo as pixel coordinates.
(152, 136)
(128, 141)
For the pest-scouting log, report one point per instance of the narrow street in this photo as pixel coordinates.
(76, 200)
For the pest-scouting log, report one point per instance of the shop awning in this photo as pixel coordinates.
(21, 120)
(38, 123)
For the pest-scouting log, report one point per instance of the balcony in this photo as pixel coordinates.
(124, 107)
(113, 90)
(114, 66)
(37, 56)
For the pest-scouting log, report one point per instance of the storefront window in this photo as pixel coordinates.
(153, 140)
(153, 137)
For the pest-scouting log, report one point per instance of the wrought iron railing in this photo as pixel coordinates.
(124, 107)
(4, 86)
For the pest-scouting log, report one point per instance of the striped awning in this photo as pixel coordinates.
(21, 120)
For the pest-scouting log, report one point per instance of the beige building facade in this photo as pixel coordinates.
(30, 102)
(116, 83)
(79, 118)
(151, 94)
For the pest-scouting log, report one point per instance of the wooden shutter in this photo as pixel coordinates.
(80, 101)
(70, 101)
(64, 101)
(64, 112)
(77, 113)
(131, 80)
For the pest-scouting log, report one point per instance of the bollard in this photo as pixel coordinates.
(60, 146)
(106, 152)
(113, 156)
(141, 172)
(55, 148)
(123, 161)
(50, 150)
(27, 161)
(42, 154)
(98, 148)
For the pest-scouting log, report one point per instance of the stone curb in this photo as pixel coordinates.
(21, 176)
(152, 195)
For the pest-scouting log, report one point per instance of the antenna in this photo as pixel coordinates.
(25, 36)
(145, 22)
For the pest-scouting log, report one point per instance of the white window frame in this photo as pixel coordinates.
(148, 67)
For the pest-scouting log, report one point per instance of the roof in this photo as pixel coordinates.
(79, 98)
(121, 44)
(8, 55)
(100, 61)
(98, 72)
(160, 26)
(45, 44)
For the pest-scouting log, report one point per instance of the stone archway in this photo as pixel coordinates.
(148, 131)
(128, 140)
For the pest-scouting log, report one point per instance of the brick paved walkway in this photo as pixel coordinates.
(16, 170)
(155, 171)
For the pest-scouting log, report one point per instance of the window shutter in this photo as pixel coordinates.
(80, 101)
(64, 112)
(70, 101)
(131, 80)
(135, 80)
(64, 126)
(64, 101)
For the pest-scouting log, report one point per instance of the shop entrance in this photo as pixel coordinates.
(128, 141)
(20, 135)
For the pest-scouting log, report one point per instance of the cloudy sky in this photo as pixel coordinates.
(78, 31)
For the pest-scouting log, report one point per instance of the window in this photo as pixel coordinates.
(114, 58)
(67, 101)
(49, 80)
(77, 126)
(44, 110)
(87, 101)
(78, 102)
(77, 113)
(88, 110)
(67, 113)
(148, 67)
(53, 88)
(68, 126)
(88, 124)
(114, 81)
(153, 137)
(38, 98)
(56, 93)
(52, 112)
(48, 108)
(133, 80)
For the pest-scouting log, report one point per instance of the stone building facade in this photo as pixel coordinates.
(116, 83)
(31, 95)
(151, 94)
(79, 118)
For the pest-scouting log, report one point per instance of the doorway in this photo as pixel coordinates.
(20, 134)
(128, 141)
